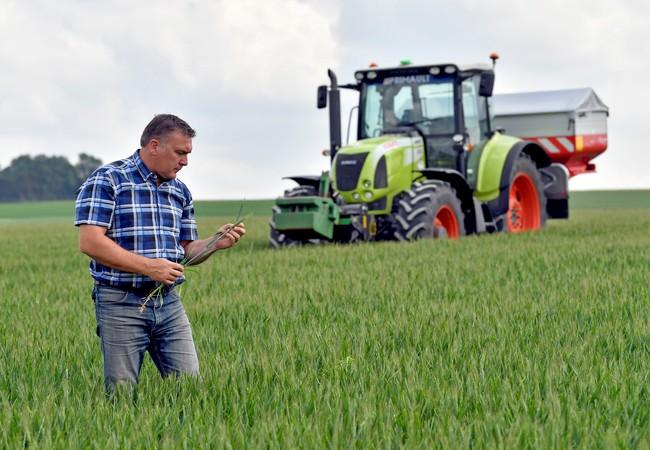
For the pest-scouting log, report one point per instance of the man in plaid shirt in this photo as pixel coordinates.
(136, 222)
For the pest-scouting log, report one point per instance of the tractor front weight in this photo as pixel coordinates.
(304, 218)
(313, 218)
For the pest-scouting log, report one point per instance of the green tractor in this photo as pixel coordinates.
(428, 163)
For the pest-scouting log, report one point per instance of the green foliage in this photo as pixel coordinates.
(44, 177)
(86, 165)
(498, 341)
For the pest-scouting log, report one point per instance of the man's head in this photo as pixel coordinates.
(166, 141)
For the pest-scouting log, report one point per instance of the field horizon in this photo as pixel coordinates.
(59, 209)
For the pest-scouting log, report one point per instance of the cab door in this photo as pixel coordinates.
(475, 119)
(471, 112)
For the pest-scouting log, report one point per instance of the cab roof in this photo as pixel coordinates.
(408, 69)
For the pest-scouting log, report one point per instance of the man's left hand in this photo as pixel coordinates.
(231, 237)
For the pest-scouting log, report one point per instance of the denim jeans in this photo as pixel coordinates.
(162, 329)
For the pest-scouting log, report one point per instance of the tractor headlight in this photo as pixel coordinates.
(366, 184)
(367, 195)
(356, 196)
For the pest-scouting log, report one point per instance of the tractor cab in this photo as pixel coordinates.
(427, 161)
(446, 104)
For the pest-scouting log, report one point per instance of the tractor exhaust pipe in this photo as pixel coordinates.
(335, 114)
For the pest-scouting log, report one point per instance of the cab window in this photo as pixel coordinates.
(470, 110)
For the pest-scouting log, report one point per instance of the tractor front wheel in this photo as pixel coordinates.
(277, 239)
(430, 209)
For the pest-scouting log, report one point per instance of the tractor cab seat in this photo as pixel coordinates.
(407, 117)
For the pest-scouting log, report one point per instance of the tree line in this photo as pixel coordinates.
(44, 177)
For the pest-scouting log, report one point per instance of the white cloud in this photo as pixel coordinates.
(86, 76)
(543, 46)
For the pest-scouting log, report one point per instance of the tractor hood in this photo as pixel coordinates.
(381, 143)
(363, 172)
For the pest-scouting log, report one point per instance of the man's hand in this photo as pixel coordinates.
(199, 251)
(232, 237)
(163, 270)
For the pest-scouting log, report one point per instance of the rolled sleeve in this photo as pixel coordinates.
(95, 203)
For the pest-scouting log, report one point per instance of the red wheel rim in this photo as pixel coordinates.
(446, 219)
(523, 212)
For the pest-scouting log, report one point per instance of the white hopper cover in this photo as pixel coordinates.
(566, 100)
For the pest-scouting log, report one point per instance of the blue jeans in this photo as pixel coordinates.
(162, 329)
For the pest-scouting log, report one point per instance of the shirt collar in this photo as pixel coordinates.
(142, 167)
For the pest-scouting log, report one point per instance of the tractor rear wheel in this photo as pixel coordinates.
(526, 199)
(430, 209)
(277, 239)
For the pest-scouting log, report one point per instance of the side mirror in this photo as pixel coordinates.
(487, 84)
(321, 98)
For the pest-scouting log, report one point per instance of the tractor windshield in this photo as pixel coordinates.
(405, 101)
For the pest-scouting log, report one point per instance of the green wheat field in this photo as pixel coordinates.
(497, 341)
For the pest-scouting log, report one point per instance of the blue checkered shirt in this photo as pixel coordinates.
(140, 216)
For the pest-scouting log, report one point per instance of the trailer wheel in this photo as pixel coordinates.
(430, 209)
(527, 202)
(277, 239)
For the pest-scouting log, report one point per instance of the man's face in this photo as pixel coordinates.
(171, 155)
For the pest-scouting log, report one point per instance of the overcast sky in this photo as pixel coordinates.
(84, 76)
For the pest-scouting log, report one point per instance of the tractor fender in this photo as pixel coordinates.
(464, 192)
(500, 205)
(495, 169)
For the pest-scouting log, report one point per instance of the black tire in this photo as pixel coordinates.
(278, 239)
(526, 166)
(301, 191)
(419, 206)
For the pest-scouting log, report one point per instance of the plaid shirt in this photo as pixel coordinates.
(140, 216)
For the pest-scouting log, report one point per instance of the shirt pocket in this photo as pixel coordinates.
(173, 208)
(135, 208)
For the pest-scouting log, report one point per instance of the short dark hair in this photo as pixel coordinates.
(163, 124)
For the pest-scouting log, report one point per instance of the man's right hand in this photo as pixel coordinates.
(163, 270)
(94, 243)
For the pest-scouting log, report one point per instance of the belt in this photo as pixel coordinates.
(142, 291)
